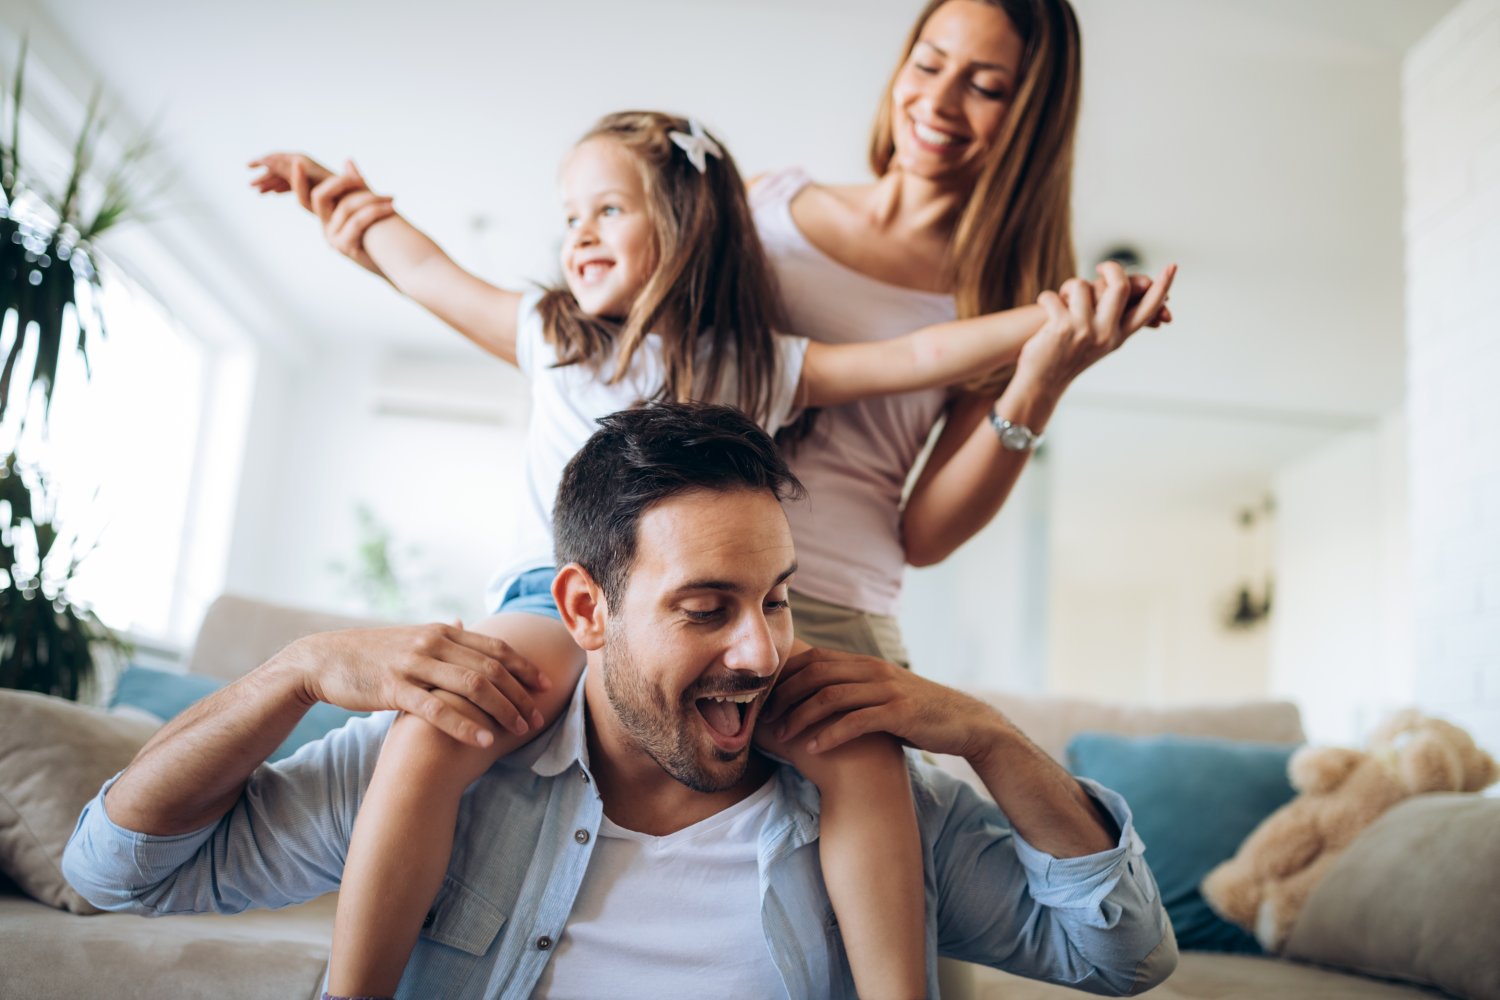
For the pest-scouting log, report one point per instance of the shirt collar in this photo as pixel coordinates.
(565, 743)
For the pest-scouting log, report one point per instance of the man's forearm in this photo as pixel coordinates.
(1043, 802)
(193, 770)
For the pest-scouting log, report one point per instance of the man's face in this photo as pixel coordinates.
(702, 631)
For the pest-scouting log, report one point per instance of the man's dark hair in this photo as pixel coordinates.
(642, 456)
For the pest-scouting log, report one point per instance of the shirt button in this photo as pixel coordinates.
(543, 943)
(582, 836)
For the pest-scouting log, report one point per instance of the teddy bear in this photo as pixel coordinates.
(1262, 888)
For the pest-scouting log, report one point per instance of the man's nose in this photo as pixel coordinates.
(753, 648)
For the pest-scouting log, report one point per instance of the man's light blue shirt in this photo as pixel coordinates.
(527, 828)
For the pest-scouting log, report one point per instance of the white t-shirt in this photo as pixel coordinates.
(673, 916)
(566, 404)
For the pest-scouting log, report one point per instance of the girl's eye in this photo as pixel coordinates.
(929, 70)
(993, 95)
(572, 221)
(611, 210)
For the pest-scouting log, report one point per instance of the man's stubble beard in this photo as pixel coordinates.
(665, 732)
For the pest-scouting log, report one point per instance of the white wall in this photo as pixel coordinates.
(1452, 119)
(1341, 633)
(352, 428)
(979, 618)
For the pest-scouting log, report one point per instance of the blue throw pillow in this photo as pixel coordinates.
(164, 694)
(1194, 800)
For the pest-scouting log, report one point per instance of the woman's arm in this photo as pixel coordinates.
(939, 355)
(969, 474)
(366, 228)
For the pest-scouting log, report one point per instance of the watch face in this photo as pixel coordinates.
(1016, 438)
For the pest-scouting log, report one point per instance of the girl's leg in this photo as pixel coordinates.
(872, 860)
(403, 836)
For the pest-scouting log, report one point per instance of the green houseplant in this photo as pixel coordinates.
(48, 641)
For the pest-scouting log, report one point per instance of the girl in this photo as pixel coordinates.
(666, 294)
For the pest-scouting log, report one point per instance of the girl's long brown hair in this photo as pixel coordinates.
(1014, 238)
(711, 279)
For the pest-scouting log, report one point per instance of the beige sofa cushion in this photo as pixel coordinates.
(47, 954)
(1051, 721)
(1415, 897)
(238, 634)
(54, 756)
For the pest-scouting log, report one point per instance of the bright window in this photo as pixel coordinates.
(119, 455)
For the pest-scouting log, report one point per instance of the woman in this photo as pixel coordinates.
(969, 214)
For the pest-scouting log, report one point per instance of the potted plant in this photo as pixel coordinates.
(47, 640)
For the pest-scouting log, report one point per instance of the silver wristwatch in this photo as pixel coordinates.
(1013, 436)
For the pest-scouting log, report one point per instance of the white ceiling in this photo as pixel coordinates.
(1256, 142)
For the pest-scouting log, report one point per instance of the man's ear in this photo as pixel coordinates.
(581, 602)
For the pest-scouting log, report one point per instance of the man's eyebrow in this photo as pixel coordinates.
(730, 586)
(997, 67)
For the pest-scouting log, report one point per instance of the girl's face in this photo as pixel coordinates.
(951, 95)
(609, 252)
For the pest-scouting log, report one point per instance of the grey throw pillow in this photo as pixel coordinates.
(54, 756)
(1414, 898)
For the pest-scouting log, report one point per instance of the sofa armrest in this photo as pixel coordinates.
(238, 634)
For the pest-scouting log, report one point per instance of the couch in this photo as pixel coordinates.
(47, 952)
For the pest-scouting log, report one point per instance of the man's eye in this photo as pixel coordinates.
(780, 605)
(703, 616)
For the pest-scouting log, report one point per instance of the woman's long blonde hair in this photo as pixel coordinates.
(1014, 238)
(711, 279)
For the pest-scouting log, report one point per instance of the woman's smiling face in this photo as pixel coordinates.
(949, 100)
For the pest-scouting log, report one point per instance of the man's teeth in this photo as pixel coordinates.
(738, 699)
(935, 137)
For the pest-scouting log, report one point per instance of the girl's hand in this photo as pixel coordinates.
(1083, 326)
(280, 170)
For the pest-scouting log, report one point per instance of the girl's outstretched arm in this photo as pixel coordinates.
(403, 836)
(365, 227)
(939, 355)
(956, 351)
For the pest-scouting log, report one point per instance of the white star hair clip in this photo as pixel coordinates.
(697, 145)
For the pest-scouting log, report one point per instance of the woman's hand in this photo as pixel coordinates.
(1089, 320)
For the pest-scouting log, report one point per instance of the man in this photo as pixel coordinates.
(676, 558)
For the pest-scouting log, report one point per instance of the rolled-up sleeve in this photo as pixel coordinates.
(1093, 923)
(283, 842)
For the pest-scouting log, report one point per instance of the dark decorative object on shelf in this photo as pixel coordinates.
(1251, 609)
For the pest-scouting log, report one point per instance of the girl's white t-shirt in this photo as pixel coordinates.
(566, 404)
(673, 916)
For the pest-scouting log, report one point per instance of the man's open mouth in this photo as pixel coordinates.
(728, 716)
